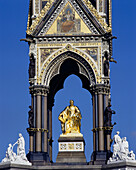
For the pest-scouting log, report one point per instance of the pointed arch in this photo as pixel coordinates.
(52, 64)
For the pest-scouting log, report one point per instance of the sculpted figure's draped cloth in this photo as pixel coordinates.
(70, 119)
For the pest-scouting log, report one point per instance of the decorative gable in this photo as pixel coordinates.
(68, 22)
(68, 17)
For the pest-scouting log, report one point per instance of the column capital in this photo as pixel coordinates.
(100, 89)
(39, 90)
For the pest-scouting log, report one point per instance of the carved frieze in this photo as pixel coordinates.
(100, 89)
(38, 90)
(71, 146)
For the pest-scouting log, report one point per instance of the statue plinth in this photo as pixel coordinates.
(71, 148)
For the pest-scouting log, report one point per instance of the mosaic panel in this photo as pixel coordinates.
(67, 23)
(63, 146)
(71, 146)
(78, 146)
(93, 52)
(45, 53)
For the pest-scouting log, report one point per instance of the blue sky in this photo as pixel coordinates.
(15, 98)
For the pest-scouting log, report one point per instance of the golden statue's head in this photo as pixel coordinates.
(71, 102)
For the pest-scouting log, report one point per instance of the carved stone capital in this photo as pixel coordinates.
(39, 90)
(100, 89)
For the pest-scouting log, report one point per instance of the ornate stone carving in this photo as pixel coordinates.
(121, 150)
(78, 10)
(99, 18)
(88, 5)
(40, 16)
(20, 157)
(71, 146)
(38, 90)
(100, 89)
(32, 49)
(62, 39)
(90, 74)
(82, 70)
(10, 155)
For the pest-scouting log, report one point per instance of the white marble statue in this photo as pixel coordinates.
(10, 155)
(121, 150)
(20, 157)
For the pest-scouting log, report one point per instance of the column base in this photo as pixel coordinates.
(100, 157)
(39, 158)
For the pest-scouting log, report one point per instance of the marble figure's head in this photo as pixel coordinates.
(124, 139)
(10, 145)
(20, 135)
(118, 132)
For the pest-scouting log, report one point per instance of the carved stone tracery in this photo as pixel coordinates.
(88, 72)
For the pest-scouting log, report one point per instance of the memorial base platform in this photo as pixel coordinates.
(116, 166)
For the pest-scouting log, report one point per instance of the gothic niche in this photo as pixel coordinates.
(106, 64)
(32, 67)
(67, 22)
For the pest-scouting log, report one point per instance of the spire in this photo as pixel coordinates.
(104, 8)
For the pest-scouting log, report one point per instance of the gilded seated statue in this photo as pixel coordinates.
(70, 119)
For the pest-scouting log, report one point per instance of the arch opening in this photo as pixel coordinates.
(68, 67)
(82, 98)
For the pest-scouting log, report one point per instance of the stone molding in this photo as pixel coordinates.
(107, 128)
(63, 39)
(39, 90)
(100, 89)
(37, 130)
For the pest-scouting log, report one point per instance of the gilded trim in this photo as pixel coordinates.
(37, 130)
(110, 14)
(28, 22)
(49, 4)
(38, 19)
(98, 17)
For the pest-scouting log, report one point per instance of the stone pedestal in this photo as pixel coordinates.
(38, 158)
(71, 149)
(100, 158)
